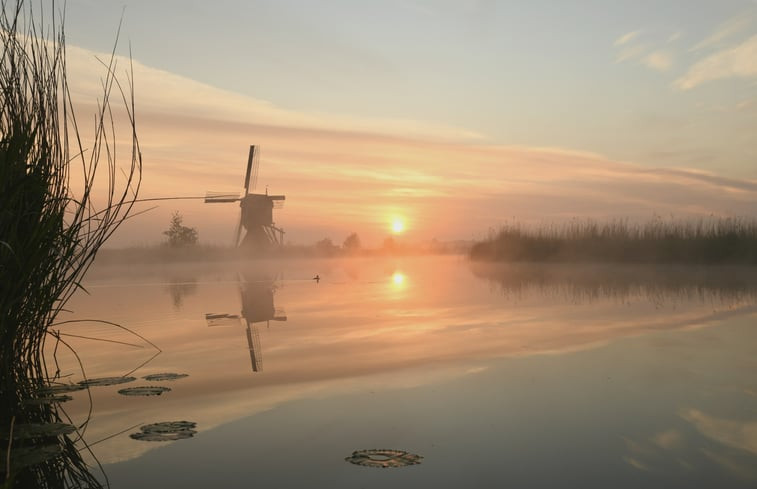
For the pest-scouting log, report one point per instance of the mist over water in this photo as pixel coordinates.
(498, 374)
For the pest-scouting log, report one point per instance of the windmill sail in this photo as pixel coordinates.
(248, 173)
(219, 197)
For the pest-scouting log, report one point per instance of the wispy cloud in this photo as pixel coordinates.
(739, 61)
(162, 91)
(626, 38)
(631, 52)
(723, 32)
(629, 48)
(658, 60)
(734, 433)
(744, 105)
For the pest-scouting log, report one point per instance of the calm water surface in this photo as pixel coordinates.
(514, 376)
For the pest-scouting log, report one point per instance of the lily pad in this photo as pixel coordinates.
(166, 431)
(46, 400)
(60, 388)
(383, 458)
(164, 376)
(35, 430)
(168, 426)
(144, 391)
(28, 456)
(179, 435)
(105, 381)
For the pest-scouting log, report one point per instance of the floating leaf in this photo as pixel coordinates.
(34, 430)
(168, 426)
(166, 431)
(46, 400)
(144, 391)
(105, 381)
(383, 458)
(179, 435)
(164, 376)
(28, 456)
(60, 388)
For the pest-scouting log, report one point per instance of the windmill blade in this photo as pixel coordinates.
(251, 175)
(255, 168)
(236, 235)
(239, 231)
(249, 170)
(222, 319)
(219, 197)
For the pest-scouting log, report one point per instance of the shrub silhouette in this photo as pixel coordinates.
(178, 234)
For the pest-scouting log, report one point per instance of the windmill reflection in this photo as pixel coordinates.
(257, 292)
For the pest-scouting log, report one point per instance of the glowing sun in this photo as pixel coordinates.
(398, 278)
(398, 225)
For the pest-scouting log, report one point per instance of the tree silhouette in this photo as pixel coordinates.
(326, 247)
(352, 242)
(178, 234)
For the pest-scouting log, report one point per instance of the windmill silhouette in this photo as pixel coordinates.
(257, 209)
(257, 292)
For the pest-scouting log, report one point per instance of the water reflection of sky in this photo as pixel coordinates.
(484, 378)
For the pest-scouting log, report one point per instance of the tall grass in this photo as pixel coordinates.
(59, 201)
(700, 241)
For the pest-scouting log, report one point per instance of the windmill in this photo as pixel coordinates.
(257, 291)
(257, 209)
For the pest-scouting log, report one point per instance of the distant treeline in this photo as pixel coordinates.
(701, 241)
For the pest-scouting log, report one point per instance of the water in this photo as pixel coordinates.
(549, 376)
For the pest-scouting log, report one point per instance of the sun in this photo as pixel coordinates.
(398, 278)
(398, 225)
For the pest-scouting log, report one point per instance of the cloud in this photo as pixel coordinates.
(733, 433)
(161, 91)
(668, 440)
(735, 62)
(626, 38)
(635, 51)
(658, 60)
(724, 31)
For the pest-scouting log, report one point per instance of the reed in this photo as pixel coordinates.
(59, 201)
(703, 241)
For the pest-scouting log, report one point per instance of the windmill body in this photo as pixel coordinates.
(257, 220)
(257, 211)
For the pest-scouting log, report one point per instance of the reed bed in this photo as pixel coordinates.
(59, 200)
(722, 287)
(708, 241)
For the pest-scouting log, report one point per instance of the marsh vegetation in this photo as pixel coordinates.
(62, 195)
(699, 241)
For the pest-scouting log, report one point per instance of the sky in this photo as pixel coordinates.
(454, 116)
